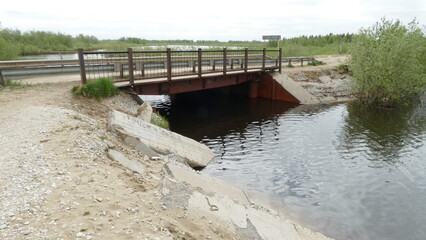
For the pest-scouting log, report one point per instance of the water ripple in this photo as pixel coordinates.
(348, 173)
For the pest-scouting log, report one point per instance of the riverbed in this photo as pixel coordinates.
(344, 171)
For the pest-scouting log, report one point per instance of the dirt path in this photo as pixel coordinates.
(56, 182)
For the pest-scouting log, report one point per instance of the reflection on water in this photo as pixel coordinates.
(344, 171)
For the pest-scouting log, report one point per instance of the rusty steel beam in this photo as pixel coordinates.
(193, 84)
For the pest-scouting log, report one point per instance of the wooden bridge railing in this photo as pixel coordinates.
(149, 64)
(134, 65)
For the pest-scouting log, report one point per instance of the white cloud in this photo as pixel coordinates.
(219, 19)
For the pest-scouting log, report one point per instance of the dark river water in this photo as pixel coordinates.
(346, 172)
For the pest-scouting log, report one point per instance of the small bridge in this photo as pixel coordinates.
(170, 71)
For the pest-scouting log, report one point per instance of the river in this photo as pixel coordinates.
(344, 171)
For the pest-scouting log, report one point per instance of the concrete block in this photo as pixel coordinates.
(295, 89)
(136, 143)
(207, 184)
(124, 161)
(159, 139)
(145, 112)
(329, 99)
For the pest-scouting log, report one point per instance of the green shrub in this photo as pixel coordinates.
(8, 50)
(344, 68)
(99, 88)
(316, 63)
(159, 120)
(387, 61)
(12, 85)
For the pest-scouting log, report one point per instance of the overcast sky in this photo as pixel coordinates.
(205, 20)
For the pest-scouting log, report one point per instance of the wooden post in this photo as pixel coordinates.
(214, 65)
(280, 58)
(301, 62)
(82, 66)
(245, 60)
(130, 60)
(224, 61)
(142, 69)
(200, 66)
(263, 59)
(169, 65)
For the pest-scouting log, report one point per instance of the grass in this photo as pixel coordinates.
(99, 88)
(13, 85)
(160, 121)
(316, 63)
(343, 68)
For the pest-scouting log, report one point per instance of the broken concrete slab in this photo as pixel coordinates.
(295, 89)
(124, 161)
(328, 99)
(221, 207)
(145, 112)
(159, 139)
(256, 221)
(206, 183)
(212, 199)
(136, 143)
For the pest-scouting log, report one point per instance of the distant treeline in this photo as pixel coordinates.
(320, 40)
(14, 43)
(317, 45)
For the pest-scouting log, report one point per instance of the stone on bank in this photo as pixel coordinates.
(163, 141)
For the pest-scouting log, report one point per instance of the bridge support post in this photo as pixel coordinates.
(253, 89)
(224, 61)
(200, 65)
(263, 59)
(245, 60)
(142, 69)
(169, 64)
(280, 58)
(131, 72)
(82, 66)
